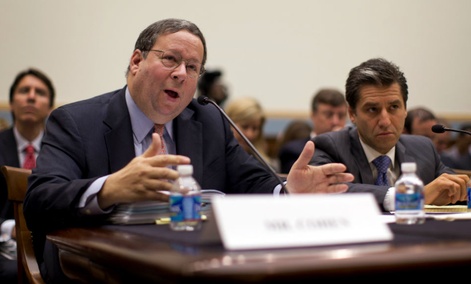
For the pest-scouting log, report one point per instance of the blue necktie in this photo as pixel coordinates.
(382, 165)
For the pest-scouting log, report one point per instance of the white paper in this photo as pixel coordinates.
(266, 221)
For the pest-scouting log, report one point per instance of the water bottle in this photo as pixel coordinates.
(409, 199)
(185, 201)
(469, 194)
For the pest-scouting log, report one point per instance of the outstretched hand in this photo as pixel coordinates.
(304, 178)
(143, 178)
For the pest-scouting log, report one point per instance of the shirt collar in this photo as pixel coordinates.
(141, 124)
(372, 154)
(22, 142)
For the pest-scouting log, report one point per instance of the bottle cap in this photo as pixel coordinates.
(185, 169)
(408, 167)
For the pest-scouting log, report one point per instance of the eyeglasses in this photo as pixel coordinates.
(172, 60)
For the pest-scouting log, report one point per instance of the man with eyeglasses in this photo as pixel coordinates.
(328, 113)
(103, 151)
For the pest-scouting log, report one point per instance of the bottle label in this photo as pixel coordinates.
(409, 201)
(185, 207)
(469, 196)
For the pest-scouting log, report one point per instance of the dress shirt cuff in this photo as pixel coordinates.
(279, 190)
(389, 199)
(89, 202)
(6, 229)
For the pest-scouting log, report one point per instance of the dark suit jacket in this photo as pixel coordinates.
(289, 153)
(344, 147)
(9, 157)
(93, 138)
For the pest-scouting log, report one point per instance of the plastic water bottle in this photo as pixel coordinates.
(185, 201)
(409, 199)
(469, 194)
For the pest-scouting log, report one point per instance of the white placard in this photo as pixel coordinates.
(253, 221)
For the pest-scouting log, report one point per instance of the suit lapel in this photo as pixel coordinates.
(189, 140)
(363, 166)
(401, 155)
(8, 146)
(119, 141)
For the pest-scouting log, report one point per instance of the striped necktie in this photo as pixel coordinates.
(159, 128)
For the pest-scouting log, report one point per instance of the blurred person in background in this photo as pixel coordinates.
(31, 100)
(247, 113)
(458, 156)
(328, 113)
(296, 130)
(443, 140)
(211, 85)
(419, 121)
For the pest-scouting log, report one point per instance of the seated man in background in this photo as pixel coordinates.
(377, 93)
(419, 121)
(443, 141)
(31, 100)
(328, 113)
(458, 156)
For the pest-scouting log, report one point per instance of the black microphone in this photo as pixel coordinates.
(202, 100)
(438, 128)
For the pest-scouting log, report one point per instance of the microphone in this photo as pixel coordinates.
(203, 100)
(438, 128)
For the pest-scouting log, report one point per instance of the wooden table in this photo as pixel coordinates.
(152, 253)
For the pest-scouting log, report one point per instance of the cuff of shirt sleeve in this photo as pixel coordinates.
(280, 190)
(7, 228)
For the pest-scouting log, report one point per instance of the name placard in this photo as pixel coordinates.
(254, 221)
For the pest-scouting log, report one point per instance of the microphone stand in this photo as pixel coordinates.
(205, 100)
(438, 128)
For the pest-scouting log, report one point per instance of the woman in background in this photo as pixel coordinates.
(248, 115)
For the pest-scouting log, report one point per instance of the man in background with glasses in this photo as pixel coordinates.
(103, 151)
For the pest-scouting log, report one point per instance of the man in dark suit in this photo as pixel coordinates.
(377, 92)
(103, 151)
(31, 100)
(328, 113)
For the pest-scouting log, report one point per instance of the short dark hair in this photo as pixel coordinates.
(38, 74)
(422, 113)
(376, 72)
(147, 37)
(207, 80)
(328, 96)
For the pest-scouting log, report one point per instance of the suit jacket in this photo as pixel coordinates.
(9, 157)
(344, 147)
(289, 153)
(92, 138)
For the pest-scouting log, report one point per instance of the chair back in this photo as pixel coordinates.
(17, 184)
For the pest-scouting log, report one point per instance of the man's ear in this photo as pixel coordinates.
(136, 58)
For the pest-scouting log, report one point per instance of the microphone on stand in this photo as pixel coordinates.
(438, 128)
(202, 100)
